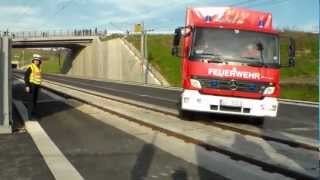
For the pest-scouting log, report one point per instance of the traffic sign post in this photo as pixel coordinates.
(139, 28)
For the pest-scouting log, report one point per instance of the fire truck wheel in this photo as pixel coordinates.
(186, 115)
(258, 121)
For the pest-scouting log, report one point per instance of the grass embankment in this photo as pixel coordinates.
(159, 47)
(298, 83)
(50, 63)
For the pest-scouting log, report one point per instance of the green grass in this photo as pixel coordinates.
(294, 91)
(306, 57)
(159, 47)
(112, 36)
(50, 64)
(298, 83)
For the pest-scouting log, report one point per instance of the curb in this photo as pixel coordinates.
(300, 102)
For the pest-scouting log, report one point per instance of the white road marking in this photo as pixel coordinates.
(58, 164)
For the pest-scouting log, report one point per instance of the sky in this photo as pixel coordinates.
(121, 15)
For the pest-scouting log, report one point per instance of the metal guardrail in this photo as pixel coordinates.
(54, 33)
(56, 38)
(5, 85)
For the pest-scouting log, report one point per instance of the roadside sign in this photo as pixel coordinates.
(137, 28)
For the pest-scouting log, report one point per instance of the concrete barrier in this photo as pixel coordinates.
(110, 60)
(5, 85)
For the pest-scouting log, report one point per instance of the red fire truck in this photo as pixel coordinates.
(230, 62)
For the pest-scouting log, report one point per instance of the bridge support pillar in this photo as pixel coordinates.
(5, 86)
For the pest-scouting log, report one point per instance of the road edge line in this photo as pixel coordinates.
(59, 165)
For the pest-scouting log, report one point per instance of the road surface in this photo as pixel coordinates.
(293, 119)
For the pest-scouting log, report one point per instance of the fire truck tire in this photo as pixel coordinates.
(186, 115)
(258, 121)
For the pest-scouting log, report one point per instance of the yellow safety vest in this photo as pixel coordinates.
(35, 75)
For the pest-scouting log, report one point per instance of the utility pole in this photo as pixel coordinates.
(146, 54)
(146, 62)
(59, 59)
(23, 61)
(144, 50)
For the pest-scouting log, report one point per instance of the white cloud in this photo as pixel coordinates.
(16, 17)
(28, 24)
(139, 10)
(90, 13)
(16, 10)
(142, 6)
(158, 14)
(310, 27)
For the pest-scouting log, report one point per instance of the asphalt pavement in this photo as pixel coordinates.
(99, 151)
(293, 119)
(20, 158)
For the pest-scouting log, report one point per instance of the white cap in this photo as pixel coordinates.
(36, 57)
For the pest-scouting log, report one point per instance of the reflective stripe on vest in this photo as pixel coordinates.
(35, 75)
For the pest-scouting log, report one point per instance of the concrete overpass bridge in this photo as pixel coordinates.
(71, 42)
(72, 39)
(114, 59)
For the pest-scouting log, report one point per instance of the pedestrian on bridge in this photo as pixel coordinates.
(33, 80)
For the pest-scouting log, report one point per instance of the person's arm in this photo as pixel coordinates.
(27, 77)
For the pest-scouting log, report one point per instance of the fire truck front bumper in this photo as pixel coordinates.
(192, 100)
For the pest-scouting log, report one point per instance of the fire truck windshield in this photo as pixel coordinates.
(228, 45)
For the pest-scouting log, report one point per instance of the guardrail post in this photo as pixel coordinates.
(5, 85)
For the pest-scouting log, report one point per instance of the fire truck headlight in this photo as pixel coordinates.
(269, 90)
(195, 83)
(186, 99)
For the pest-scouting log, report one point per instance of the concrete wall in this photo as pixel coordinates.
(111, 60)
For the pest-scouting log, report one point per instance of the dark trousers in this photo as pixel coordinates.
(34, 93)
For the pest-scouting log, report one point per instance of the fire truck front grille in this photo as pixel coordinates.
(233, 85)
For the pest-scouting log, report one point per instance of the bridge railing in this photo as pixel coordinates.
(54, 33)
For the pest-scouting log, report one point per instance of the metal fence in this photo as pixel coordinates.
(54, 33)
(5, 85)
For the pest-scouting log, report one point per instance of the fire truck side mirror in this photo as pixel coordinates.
(175, 51)
(176, 42)
(178, 33)
(186, 31)
(177, 37)
(292, 52)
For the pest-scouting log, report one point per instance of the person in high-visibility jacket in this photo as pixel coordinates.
(33, 78)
